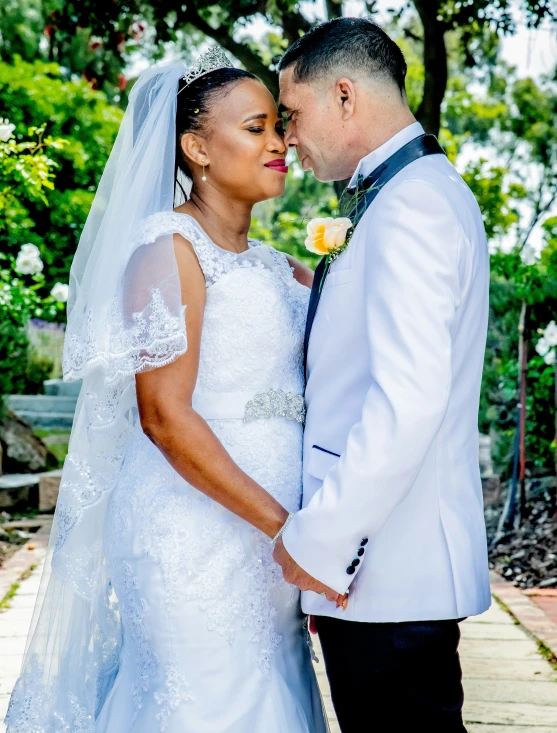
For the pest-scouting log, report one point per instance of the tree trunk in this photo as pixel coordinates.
(334, 9)
(435, 65)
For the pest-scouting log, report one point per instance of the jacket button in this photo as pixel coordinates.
(361, 551)
(364, 542)
(355, 562)
(351, 570)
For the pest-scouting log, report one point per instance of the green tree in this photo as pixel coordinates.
(514, 178)
(433, 25)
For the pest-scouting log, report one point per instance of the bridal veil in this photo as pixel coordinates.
(125, 315)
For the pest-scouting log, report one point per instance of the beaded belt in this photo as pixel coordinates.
(247, 406)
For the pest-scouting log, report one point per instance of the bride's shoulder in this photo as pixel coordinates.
(165, 222)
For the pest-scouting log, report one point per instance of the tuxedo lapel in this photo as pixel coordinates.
(313, 303)
(366, 191)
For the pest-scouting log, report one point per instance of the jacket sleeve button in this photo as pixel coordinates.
(351, 570)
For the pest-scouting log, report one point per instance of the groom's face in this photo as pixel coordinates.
(312, 127)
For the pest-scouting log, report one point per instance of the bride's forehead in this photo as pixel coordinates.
(245, 99)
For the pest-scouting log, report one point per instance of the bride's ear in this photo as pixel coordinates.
(345, 96)
(193, 147)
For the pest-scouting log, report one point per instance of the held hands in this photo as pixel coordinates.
(295, 575)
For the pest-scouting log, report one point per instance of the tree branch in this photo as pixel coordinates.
(242, 51)
(292, 22)
(334, 9)
(539, 210)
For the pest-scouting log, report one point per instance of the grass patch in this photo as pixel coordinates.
(5, 602)
(548, 654)
(45, 432)
(56, 440)
(545, 651)
(29, 513)
(28, 572)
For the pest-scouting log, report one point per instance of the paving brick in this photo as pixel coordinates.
(500, 650)
(481, 728)
(494, 615)
(510, 713)
(511, 669)
(506, 632)
(538, 691)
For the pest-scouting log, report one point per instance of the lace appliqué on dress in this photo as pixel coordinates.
(177, 691)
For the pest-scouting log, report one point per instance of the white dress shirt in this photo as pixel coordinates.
(391, 474)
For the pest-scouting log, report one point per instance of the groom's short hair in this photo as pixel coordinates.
(350, 43)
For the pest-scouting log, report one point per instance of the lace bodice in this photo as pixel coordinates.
(255, 312)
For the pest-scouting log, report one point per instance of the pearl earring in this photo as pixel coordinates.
(203, 177)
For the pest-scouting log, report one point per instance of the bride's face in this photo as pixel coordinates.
(244, 146)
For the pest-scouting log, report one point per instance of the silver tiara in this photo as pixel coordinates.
(215, 58)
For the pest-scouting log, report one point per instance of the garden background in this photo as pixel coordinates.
(66, 69)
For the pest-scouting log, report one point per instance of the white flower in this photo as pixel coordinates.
(60, 292)
(542, 347)
(550, 357)
(550, 333)
(28, 264)
(30, 250)
(528, 255)
(6, 130)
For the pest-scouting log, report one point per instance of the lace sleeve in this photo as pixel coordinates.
(144, 325)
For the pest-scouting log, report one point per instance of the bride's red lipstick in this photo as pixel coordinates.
(278, 165)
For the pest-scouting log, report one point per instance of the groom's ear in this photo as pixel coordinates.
(345, 97)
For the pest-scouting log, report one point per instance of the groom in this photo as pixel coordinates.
(392, 509)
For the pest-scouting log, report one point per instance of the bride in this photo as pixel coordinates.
(161, 608)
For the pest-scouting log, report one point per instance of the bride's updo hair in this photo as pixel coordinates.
(195, 102)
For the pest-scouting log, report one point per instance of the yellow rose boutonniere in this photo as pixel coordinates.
(329, 237)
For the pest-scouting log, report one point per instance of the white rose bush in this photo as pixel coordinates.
(26, 174)
(547, 344)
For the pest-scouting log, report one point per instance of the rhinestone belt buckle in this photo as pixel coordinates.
(276, 404)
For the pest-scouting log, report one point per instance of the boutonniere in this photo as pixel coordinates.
(329, 237)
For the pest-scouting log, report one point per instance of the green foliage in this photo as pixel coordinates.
(282, 222)
(498, 205)
(81, 127)
(20, 301)
(513, 282)
(26, 177)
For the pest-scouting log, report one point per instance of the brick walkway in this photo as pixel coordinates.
(509, 686)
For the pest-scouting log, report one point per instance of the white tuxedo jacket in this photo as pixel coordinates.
(392, 505)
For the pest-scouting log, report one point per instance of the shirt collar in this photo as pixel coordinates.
(370, 162)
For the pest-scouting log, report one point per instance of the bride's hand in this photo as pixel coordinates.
(296, 575)
(343, 601)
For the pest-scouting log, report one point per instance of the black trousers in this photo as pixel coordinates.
(394, 677)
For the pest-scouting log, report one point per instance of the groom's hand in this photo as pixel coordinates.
(295, 575)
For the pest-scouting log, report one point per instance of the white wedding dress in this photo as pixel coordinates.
(213, 637)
